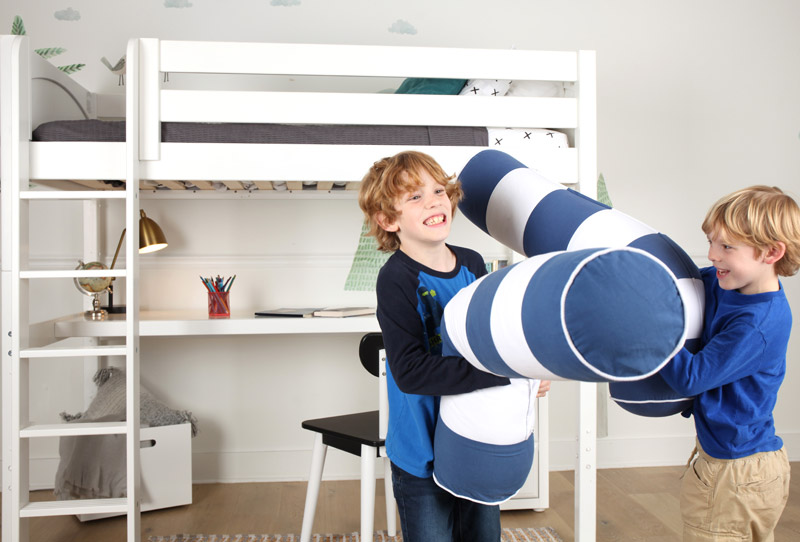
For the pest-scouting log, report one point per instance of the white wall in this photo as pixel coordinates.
(696, 99)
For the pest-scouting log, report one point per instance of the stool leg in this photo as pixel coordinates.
(368, 458)
(391, 505)
(312, 493)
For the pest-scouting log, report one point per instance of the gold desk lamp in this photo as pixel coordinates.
(151, 239)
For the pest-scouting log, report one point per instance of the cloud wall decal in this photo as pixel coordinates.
(68, 14)
(402, 27)
(177, 4)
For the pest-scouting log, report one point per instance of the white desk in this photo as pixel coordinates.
(197, 322)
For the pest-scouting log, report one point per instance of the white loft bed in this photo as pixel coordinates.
(173, 162)
(80, 167)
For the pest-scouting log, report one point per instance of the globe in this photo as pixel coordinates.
(92, 285)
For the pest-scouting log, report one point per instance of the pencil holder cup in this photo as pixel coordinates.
(219, 305)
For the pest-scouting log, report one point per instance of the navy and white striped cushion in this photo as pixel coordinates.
(483, 444)
(591, 315)
(533, 215)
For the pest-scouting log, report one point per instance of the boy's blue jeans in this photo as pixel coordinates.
(428, 513)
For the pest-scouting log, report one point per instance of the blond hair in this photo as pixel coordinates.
(390, 178)
(760, 217)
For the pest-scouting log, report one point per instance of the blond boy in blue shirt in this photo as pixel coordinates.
(737, 485)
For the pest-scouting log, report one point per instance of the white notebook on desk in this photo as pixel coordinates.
(286, 311)
(327, 312)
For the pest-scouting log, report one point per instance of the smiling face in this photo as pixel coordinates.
(742, 267)
(425, 214)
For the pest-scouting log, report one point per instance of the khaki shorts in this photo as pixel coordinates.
(734, 499)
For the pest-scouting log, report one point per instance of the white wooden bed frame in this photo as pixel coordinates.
(76, 167)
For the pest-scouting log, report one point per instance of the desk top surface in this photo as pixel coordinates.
(194, 322)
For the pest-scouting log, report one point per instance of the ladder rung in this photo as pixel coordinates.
(72, 273)
(71, 347)
(74, 507)
(74, 429)
(78, 194)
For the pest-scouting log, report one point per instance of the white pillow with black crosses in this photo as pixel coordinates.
(528, 138)
(485, 87)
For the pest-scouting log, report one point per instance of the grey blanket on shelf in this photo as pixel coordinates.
(94, 466)
(91, 467)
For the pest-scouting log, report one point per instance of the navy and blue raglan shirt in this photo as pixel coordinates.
(411, 300)
(736, 375)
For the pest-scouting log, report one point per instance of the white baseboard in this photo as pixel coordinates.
(625, 452)
(650, 451)
(235, 467)
(293, 465)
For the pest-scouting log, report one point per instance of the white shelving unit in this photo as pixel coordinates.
(22, 348)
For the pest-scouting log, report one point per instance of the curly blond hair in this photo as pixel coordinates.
(390, 178)
(760, 217)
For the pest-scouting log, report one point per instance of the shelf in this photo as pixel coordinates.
(76, 195)
(72, 273)
(189, 322)
(75, 429)
(68, 508)
(72, 347)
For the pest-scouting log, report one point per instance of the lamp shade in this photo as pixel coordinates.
(151, 238)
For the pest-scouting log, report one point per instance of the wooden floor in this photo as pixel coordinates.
(634, 504)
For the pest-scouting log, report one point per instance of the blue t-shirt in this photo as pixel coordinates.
(736, 375)
(411, 300)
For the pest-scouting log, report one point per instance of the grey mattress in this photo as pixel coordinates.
(183, 132)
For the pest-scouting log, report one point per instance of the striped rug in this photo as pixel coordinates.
(528, 534)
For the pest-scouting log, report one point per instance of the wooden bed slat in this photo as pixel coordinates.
(233, 185)
(173, 185)
(96, 185)
(69, 185)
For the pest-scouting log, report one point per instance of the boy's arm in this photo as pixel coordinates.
(419, 372)
(732, 354)
(413, 368)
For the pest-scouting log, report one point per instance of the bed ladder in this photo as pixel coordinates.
(24, 344)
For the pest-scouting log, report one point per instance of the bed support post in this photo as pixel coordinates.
(149, 99)
(16, 128)
(132, 418)
(586, 466)
(5, 164)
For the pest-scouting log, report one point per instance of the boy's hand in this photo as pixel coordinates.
(544, 387)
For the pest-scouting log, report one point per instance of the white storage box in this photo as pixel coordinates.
(166, 458)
